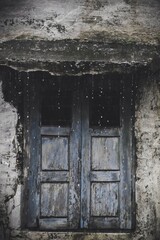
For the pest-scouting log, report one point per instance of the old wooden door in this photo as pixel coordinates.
(81, 135)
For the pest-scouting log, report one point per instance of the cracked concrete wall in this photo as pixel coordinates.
(108, 20)
(8, 171)
(148, 158)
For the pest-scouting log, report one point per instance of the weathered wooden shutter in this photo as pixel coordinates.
(54, 195)
(80, 167)
(106, 188)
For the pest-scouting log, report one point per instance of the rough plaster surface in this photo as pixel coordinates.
(8, 173)
(148, 159)
(108, 20)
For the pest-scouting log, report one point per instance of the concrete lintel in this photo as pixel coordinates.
(72, 57)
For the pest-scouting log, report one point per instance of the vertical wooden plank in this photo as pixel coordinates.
(86, 165)
(126, 158)
(75, 161)
(134, 80)
(26, 153)
(33, 149)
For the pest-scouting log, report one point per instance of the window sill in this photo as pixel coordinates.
(36, 235)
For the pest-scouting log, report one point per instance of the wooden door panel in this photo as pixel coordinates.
(54, 176)
(104, 176)
(105, 153)
(53, 223)
(104, 199)
(55, 153)
(54, 199)
(104, 223)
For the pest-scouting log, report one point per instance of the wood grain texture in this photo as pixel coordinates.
(126, 145)
(33, 157)
(53, 223)
(54, 176)
(104, 132)
(75, 158)
(104, 199)
(105, 176)
(55, 131)
(54, 199)
(85, 171)
(105, 153)
(104, 223)
(55, 153)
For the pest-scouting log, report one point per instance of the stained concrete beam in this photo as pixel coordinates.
(73, 57)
